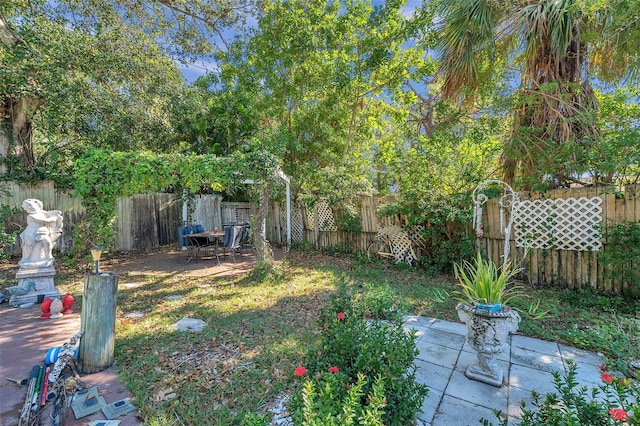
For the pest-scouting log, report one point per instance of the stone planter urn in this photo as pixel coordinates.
(487, 333)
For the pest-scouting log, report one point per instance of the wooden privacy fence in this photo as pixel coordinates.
(148, 221)
(151, 220)
(143, 221)
(563, 249)
(318, 227)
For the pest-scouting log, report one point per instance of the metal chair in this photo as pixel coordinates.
(235, 237)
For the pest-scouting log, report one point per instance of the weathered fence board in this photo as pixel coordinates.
(208, 211)
(142, 222)
(168, 210)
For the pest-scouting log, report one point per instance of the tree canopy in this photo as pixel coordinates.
(76, 73)
(328, 100)
(558, 49)
(350, 96)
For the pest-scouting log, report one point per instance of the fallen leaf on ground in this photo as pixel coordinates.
(163, 395)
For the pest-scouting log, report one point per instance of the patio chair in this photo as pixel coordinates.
(193, 248)
(245, 235)
(235, 237)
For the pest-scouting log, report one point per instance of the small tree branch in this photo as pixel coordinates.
(7, 36)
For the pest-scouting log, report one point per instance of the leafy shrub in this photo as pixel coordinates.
(267, 273)
(615, 402)
(446, 230)
(621, 253)
(330, 401)
(619, 336)
(364, 343)
(348, 218)
(8, 230)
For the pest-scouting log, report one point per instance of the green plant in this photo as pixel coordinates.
(266, 273)
(8, 230)
(484, 282)
(330, 399)
(618, 335)
(360, 258)
(615, 402)
(348, 218)
(621, 253)
(362, 337)
(253, 419)
(444, 220)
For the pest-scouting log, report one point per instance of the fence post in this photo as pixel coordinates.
(97, 323)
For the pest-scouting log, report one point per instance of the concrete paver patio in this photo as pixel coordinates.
(456, 400)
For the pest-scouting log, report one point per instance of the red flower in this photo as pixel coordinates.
(299, 371)
(602, 368)
(341, 316)
(618, 414)
(606, 378)
(333, 370)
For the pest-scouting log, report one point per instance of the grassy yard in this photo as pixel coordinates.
(259, 327)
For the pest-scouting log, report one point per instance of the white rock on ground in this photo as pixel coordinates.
(189, 324)
(280, 414)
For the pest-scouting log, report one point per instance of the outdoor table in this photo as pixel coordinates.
(203, 241)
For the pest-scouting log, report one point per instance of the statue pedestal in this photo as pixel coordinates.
(34, 285)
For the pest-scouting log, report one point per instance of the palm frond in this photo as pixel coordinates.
(468, 34)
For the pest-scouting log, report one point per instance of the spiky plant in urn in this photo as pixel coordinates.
(484, 295)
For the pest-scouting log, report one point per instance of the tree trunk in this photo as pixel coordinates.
(21, 140)
(4, 146)
(15, 138)
(263, 251)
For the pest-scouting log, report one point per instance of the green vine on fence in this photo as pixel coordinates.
(101, 177)
(8, 231)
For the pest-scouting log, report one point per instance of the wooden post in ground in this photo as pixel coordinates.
(98, 323)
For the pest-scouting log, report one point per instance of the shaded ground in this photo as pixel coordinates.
(25, 337)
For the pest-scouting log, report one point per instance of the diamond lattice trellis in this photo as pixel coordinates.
(560, 224)
(297, 227)
(310, 218)
(399, 242)
(325, 217)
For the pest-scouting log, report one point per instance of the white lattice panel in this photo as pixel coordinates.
(311, 219)
(415, 234)
(325, 217)
(560, 224)
(401, 244)
(297, 226)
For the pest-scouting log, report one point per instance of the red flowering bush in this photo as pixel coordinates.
(618, 414)
(606, 378)
(299, 371)
(615, 402)
(363, 367)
